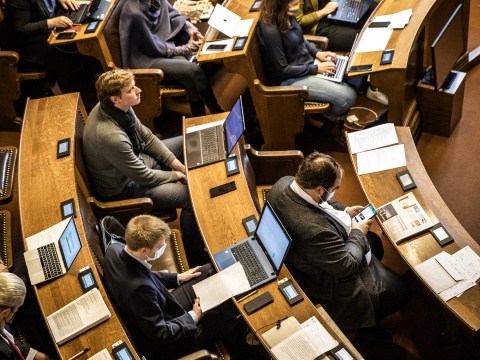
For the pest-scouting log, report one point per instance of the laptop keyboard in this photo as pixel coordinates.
(209, 141)
(253, 268)
(340, 65)
(350, 9)
(78, 16)
(50, 262)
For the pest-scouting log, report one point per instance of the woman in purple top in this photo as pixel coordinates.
(154, 35)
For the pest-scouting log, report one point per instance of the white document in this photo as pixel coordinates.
(390, 157)
(78, 316)
(47, 236)
(435, 275)
(306, 344)
(276, 335)
(243, 27)
(373, 138)
(374, 39)
(101, 355)
(397, 20)
(222, 286)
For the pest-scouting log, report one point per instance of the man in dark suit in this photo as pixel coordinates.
(335, 260)
(163, 324)
(12, 295)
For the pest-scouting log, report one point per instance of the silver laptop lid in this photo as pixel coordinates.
(273, 237)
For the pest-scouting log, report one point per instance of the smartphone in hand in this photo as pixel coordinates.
(365, 214)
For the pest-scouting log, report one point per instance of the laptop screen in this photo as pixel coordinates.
(70, 243)
(234, 126)
(272, 236)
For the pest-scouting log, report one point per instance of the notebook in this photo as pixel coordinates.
(56, 257)
(99, 9)
(209, 143)
(341, 63)
(78, 16)
(350, 10)
(268, 248)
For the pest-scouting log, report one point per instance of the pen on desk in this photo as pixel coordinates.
(247, 296)
(76, 356)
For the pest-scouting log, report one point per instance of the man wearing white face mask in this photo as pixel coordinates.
(163, 324)
(335, 259)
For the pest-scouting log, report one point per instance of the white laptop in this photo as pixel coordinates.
(55, 255)
(341, 63)
(261, 255)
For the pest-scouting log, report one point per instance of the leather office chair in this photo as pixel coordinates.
(10, 89)
(263, 168)
(280, 110)
(6, 252)
(173, 260)
(149, 80)
(8, 157)
(123, 210)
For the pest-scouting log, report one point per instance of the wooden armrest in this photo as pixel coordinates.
(301, 91)
(35, 75)
(155, 74)
(199, 355)
(269, 166)
(320, 41)
(144, 204)
(11, 56)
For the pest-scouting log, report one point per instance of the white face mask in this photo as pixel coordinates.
(158, 253)
(329, 196)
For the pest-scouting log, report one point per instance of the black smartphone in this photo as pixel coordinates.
(239, 43)
(359, 68)
(379, 24)
(87, 279)
(387, 57)
(92, 26)
(256, 5)
(67, 35)
(365, 214)
(120, 351)
(214, 47)
(222, 189)
(258, 303)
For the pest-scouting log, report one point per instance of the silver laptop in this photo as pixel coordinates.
(209, 143)
(54, 259)
(342, 62)
(350, 10)
(261, 255)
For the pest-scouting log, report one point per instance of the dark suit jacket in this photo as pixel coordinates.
(7, 353)
(328, 264)
(159, 325)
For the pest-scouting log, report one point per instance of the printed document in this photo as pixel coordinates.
(101, 355)
(397, 20)
(403, 217)
(306, 344)
(47, 236)
(389, 157)
(222, 286)
(373, 138)
(374, 39)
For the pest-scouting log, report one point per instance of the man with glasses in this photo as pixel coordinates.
(335, 259)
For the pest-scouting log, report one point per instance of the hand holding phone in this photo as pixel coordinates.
(365, 214)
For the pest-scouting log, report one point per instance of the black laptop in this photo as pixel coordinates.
(209, 143)
(350, 10)
(261, 255)
(78, 16)
(99, 9)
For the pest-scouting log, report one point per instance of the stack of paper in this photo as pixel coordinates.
(397, 21)
(451, 275)
(373, 150)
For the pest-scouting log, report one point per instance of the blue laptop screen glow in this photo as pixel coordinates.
(70, 243)
(273, 237)
(234, 125)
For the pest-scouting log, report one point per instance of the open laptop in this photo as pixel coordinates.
(99, 8)
(342, 62)
(268, 248)
(77, 16)
(209, 143)
(350, 10)
(224, 21)
(54, 259)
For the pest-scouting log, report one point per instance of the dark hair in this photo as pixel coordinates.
(318, 169)
(275, 12)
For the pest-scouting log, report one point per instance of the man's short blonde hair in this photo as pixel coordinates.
(145, 231)
(111, 83)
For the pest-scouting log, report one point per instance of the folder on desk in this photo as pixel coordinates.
(228, 23)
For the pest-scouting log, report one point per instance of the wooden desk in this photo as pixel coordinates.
(383, 187)
(220, 222)
(91, 44)
(44, 182)
(412, 54)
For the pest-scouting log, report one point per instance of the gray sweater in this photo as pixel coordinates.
(110, 158)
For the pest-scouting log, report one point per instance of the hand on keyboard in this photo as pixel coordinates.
(327, 67)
